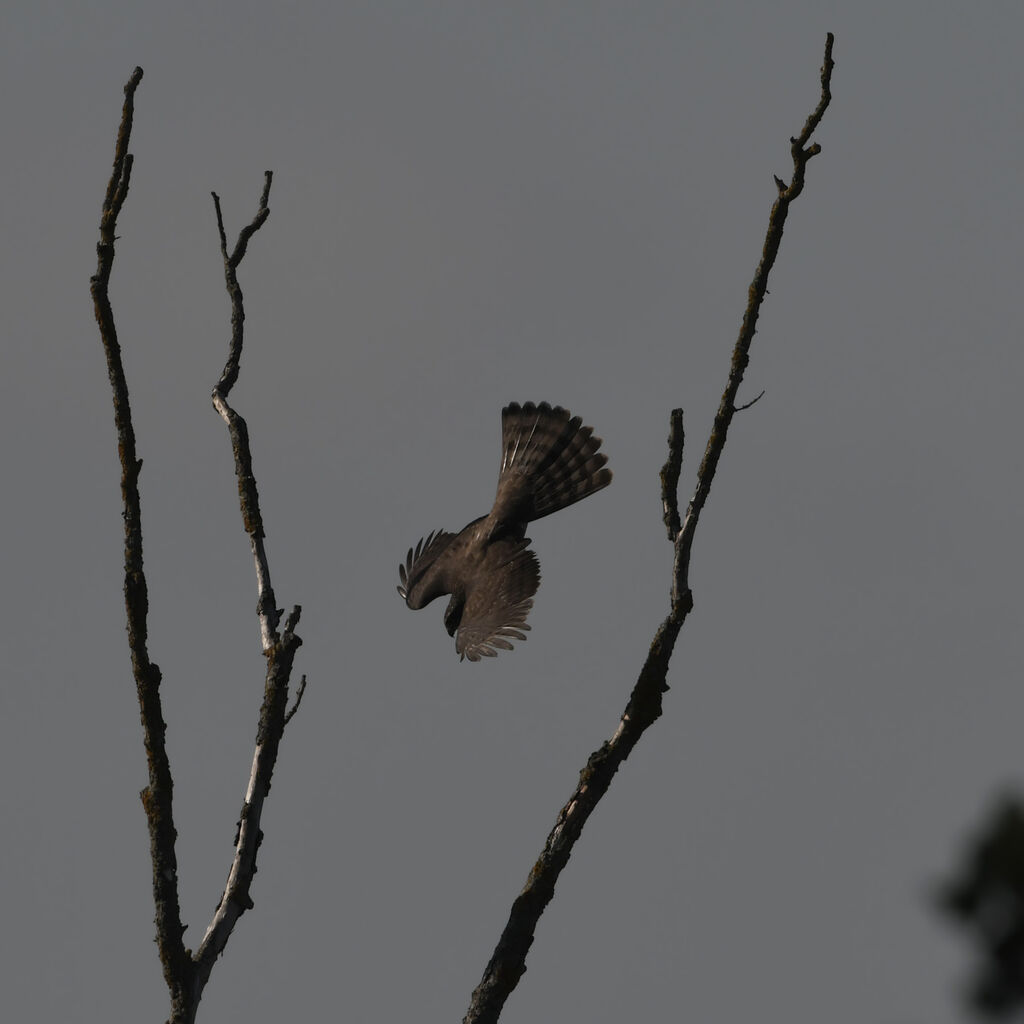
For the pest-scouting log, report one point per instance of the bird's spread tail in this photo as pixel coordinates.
(549, 460)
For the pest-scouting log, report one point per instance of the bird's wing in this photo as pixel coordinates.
(498, 599)
(420, 558)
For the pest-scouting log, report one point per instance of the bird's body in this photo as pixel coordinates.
(549, 460)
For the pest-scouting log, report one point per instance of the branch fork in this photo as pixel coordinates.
(508, 963)
(186, 974)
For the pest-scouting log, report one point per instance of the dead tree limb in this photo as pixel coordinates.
(186, 975)
(508, 963)
(157, 797)
(278, 647)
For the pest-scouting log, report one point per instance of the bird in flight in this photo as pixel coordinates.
(549, 460)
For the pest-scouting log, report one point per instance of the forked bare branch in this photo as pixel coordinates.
(508, 962)
(186, 975)
(278, 647)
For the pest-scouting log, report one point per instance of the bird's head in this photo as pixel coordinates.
(453, 613)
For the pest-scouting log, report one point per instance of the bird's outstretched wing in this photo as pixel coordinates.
(498, 599)
(420, 558)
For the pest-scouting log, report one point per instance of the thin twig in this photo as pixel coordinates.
(508, 963)
(298, 700)
(747, 405)
(157, 797)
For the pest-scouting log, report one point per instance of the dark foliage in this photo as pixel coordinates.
(986, 898)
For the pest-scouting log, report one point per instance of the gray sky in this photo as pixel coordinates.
(475, 204)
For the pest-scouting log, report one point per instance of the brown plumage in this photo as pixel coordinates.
(549, 460)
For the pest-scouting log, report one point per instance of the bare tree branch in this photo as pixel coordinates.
(279, 648)
(508, 963)
(186, 976)
(266, 608)
(801, 153)
(670, 474)
(157, 797)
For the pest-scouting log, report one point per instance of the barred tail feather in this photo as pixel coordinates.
(549, 460)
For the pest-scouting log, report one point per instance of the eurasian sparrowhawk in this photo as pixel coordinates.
(549, 460)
